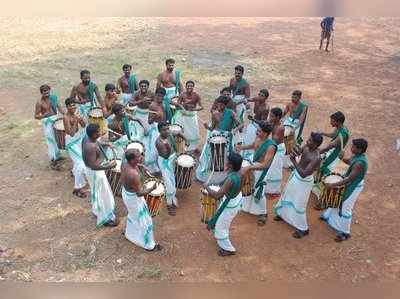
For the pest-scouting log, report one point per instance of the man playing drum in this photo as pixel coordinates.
(226, 92)
(166, 149)
(326, 31)
(110, 99)
(223, 120)
(149, 141)
(292, 205)
(46, 111)
(86, 94)
(264, 152)
(127, 84)
(189, 102)
(74, 132)
(157, 107)
(230, 205)
(139, 224)
(142, 100)
(102, 198)
(240, 92)
(274, 175)
(340, 218)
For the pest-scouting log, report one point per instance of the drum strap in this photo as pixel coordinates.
(102, 151)
(54, 102)
(177, 80)
(353, 185)
(132, 83)
(167, 109)
(257, 156)
(125, 125)
(91, 94)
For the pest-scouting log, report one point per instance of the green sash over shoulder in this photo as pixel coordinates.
(226, 121)
(177, 80)
(125, 125)
(353, 185)
(239, 85)
(171, 141)
(344, 132)
(132, 84)
(91, 94)
(232, 193)
(167, 109)
(296, 115)
(258, 154)
(54, 102)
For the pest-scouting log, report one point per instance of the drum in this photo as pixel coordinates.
(317, 172)
(95, 116)
(175, 129)
(130, 109)
(331, 197)
(209, 205)
(114, 178)
(136, 145)
(218, 153)
(155, 198)
(247, 180)
(59, 133)
(184, 171)
(288, 139)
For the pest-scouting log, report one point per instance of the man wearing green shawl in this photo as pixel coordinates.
(170, 80)
(86, 94)
(340, 218)
(264, 152)
(339, 139)
(46, 110)
(127, 84)
(230, 197)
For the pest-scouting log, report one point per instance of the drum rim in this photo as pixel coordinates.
(187, 154)
(59, 119)
(136, 141)
(176, 125)
(158, 181)
(332, 173)
(96, 108)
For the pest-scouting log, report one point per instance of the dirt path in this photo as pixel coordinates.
(49, 235)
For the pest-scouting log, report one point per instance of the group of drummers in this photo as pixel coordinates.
(143, 146)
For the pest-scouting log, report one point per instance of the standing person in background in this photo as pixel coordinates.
(46, 110)
(326, 31)
(110, 99)
(127, 84)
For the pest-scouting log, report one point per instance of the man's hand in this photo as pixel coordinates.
(341, 155)
(292, 157)
(112, 164)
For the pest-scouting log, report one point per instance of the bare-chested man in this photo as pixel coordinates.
(86, 94)
(74, 132)
(296, 112)
(127, 84)
(293, 204)
(226, 92)
(46, 110)
(261, 108)
(121, 123)
(96, 161)
(157, 105)
(264, 152)
(142, 100)
(189, 102)
(110, 99)
(240, 92)
(170, 80)
(139, 226)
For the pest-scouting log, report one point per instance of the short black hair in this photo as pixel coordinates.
(223, 100)
(189, 82)
(126, 66)
(317, 138)
(338, 116)
(277, 112)
(265, 92)
(236, 160)
(297, 93)
(69, 101)
(226, 89)
(109, 87)
(91, 129)
(117, 108)
(162, 124)
(239, 68)
(44, 87)
(266, 127)
(84, 72)
(361, 144)
(169, 60)
(161, 91)
(130, 154)
(144, 82)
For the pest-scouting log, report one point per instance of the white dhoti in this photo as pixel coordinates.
(240, 112)
(142, 115)
(125, 98)
(251, 204)
(170, 92)
(221, 231)
(167, 169)
(274, 174)
(189, 122)
(151, 154)
(102, 198)
(342, 224)
(136, 130)
(139, 225)
(292, 205)
(249, 136)
(84, 109)
(73, 145)
(52, 149)
(295, 124)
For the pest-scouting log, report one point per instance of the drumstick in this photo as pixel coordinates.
(120, 135)
(209, 178)
(148, 173)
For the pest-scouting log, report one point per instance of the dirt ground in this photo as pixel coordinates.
(48, 235)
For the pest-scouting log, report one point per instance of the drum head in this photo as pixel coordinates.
(333, 178)
(212, 187)
(160, 187)
(288, 130)
(185, 160)
(246, 163)
(95, 112)
(218, 139)
(59, 125)
(136, 145)
(130, 108)
(175, 129)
